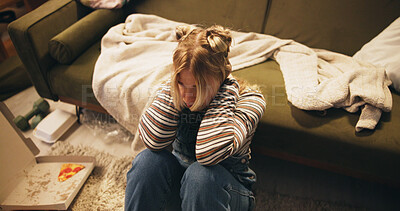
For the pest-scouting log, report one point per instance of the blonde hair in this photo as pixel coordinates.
(204, 52)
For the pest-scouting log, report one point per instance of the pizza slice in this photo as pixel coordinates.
(68, 170)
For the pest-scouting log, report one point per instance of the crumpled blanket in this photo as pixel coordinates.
(136, 56)
(317, 79)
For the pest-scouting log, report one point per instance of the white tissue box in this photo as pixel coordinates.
(54, 125)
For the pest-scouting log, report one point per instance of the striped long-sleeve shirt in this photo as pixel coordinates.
(226, 130)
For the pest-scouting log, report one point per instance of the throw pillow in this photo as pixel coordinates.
(73, 41)
(384, 50)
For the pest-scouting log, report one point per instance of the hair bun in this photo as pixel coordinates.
(182, 31)
(219, 39)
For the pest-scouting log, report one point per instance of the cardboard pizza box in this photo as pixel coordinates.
(31, 183)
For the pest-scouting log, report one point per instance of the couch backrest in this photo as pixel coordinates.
(342, 26)
(236, 14)
(339, 25)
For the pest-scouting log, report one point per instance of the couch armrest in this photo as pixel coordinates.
(31, 33)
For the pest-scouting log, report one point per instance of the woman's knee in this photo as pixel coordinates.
(197, 175)
(147, 156)
(150, 164)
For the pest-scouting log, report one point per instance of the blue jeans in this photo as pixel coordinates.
(157, 181)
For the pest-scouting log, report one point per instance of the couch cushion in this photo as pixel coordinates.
(74, 81)
(330, 138)
(236, 14)
(342, 26)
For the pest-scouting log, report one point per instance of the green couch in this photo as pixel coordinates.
(324, 140)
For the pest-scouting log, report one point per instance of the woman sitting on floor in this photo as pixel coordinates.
(210, 118)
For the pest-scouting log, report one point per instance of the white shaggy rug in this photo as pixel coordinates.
(105, 187)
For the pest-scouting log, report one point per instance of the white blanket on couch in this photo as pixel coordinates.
(136, 56)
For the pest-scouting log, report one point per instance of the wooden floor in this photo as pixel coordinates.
(6, 49)
(9, 48)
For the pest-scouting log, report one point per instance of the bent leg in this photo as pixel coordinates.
(152, 181)
(213, 188)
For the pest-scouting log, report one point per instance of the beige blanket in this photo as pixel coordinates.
(136, 56)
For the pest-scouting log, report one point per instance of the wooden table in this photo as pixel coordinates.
(3, 52)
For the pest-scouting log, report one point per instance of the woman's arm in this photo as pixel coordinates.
(227, 123)
(158, 125)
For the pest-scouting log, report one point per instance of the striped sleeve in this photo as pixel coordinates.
(228, 123)
(158, 125)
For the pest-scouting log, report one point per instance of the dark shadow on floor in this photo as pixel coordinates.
(279, 178)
